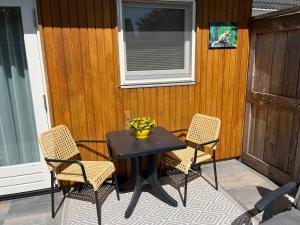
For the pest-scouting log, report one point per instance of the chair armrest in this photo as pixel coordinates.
(91, 141)
(97, 141)
(275, 195)
(70, 162)
(201, 145)
(267, 202)
(180, 130)
(207, 143)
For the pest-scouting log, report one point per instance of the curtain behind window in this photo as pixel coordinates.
(18, 142)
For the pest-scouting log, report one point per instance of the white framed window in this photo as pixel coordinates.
(156, 42)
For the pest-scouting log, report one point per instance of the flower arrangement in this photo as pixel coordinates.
(141, 126)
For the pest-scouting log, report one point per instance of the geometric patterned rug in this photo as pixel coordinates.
(205, 206)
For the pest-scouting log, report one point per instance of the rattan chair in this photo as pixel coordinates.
(60, 151)
(203, 132)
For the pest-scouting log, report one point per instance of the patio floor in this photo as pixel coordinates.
(242, 183)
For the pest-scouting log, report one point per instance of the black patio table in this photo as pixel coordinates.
(124, 145)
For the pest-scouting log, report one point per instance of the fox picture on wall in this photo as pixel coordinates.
(223, 35)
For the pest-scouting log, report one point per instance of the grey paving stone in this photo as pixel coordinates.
(33, 210)
(32, 219)
(4, 208)
(244, 184)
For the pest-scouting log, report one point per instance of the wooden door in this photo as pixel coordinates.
(272, 137)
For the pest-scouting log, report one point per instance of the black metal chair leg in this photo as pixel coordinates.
(52, 194)
(200, 170)
(215, 170)
(185, 189)
(116, 185)
(65, 192)
(98, 208)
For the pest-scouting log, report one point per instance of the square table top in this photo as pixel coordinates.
(125, 145)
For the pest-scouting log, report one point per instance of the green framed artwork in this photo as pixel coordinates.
(222, 35)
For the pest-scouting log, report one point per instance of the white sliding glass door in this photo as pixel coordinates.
(22, 111)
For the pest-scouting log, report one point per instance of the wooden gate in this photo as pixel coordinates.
(272, 120)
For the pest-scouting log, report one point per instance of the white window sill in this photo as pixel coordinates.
(158, 84)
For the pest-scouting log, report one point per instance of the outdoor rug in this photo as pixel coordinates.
(205, 206)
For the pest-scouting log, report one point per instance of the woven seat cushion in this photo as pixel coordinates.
(183, 159)
(96, 171)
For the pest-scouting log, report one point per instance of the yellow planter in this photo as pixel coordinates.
(142, 134)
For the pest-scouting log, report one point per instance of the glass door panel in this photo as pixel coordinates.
(18, 138)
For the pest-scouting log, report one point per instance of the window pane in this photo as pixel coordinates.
(155, 37)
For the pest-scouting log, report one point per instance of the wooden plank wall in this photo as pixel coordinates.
(81, 57)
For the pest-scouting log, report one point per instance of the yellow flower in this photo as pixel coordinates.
(141, 123)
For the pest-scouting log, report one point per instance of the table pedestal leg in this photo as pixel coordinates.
(154, 182)
(139, 182)
(152, 179)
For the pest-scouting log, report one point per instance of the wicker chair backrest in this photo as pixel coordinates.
(203, 129)
(58, 143)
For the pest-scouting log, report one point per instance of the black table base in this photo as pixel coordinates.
(151, 179)
(124, 145)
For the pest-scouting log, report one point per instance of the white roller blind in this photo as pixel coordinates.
(157, 39)
(148, 51)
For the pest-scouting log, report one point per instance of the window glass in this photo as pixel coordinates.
(154, 38)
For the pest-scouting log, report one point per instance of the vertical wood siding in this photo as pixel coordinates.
(81, 57)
